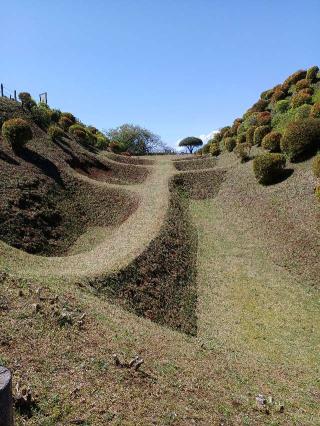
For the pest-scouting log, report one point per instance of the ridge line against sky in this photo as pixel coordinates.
(178, 68)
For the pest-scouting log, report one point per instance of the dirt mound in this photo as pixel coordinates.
(43, 206)
(195, 163)
(160, 283)
(129, 159)
(200, 184)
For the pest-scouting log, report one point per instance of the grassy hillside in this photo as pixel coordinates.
(190, 263)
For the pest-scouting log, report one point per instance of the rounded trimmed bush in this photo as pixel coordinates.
(316, 166)
(263, 118)
(65, 122)
(17, 132)
(55, 115)
(300, 98)
(71, 117)
(295, 77)
(242, 151)
(301, 139)
(259, 106)
(214, 149)
(259, 133)
(242, 138)
(266, 95)
(268, 167)
(41, 116)
(282, 106)
(271, 142)
(26, 100)
(315, 110)
(55, 132)
(312, 73)
(277, 95)
(302, 84)
(250, 135)
(80, 134)
(102, 142)
(302, 111)
(229, 143)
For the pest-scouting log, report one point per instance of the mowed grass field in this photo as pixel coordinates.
(257, 320)
(259, 317)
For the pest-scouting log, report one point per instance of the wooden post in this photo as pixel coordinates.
(15, 95)
(6, 406)
(1, 86)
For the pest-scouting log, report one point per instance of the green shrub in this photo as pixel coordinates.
(300, 98)
(302, 84)
(93, 130)
(268, 167)
(229, 143)
(316, 166)
(55, 115)
(102, 142)
(317, 192)
(271, 142)
(280, 121)
(65, 122)
(316, 96)
(259, 134)
(302, 111)
(241, 138)
(26, 100)
(70, 116)
(55, 132)
(205, 149)
(301, 138)
(250, 135)
(115, 147)
(41, 116)
(312, 73)
(242, 151)
(81, 134)
(282, 106)
(315, 110)
(266, 95)
(214, 149)
(17, 132)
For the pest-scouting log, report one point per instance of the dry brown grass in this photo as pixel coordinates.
(194, 163)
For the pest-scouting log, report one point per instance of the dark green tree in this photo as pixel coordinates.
(190, 143)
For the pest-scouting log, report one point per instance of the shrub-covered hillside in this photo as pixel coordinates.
(286, 120)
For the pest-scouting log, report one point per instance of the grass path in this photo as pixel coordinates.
(127, 242)
(257, 311)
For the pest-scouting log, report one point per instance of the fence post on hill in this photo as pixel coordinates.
(15, 95)
(1, 87)
(6, 406)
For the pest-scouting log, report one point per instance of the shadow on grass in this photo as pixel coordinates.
(46, 166)
(281, 177)
(5, 157)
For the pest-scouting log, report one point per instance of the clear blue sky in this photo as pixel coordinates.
(177, 67)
